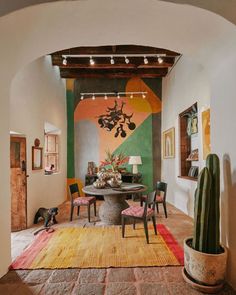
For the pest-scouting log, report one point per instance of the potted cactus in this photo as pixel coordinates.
(204, 257)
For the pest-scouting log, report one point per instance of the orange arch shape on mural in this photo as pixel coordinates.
(151, 100)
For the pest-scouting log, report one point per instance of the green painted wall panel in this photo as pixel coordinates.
(140, 144)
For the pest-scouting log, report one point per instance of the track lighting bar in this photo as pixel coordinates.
(112, 57)
(117, 55)
(116, 94)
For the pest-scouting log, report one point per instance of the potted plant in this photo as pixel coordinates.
(204, 257)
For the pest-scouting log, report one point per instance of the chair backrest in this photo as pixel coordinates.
(73, 189)
(162, 187)
(149, 201)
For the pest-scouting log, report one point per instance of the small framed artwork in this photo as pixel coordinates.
(37, 158)
(206, 133)
(168, 140)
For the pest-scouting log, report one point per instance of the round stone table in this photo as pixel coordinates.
(114, 201)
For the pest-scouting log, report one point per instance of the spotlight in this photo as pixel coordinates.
(64, 61)
(112, 60)
(91, 61)
(160, 60)
(105, 97)
(93, 97)
(143, 95)
(145, 60)
(82, 97)
(126, 60)
(131, 95)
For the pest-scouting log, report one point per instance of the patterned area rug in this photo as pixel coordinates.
(100, 247)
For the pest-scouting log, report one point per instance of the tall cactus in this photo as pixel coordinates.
(206, 208)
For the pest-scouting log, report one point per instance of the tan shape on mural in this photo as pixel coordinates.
(206, 133)
(70, 84)
(151, 104)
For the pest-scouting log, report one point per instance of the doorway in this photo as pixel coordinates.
(18, 182)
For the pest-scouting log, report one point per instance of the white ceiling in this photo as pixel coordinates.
(225, 8)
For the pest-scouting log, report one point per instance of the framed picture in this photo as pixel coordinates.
(37, 158)
(206, 133)
(168, 140)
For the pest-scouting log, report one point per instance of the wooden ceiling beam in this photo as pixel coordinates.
(109, 76)
(115, 66)
(78, 67)
(101, 73)
(118, 49)
(119, 62)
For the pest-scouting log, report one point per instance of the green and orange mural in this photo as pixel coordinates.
(87, 141)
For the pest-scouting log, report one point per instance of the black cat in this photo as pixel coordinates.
(47, 214)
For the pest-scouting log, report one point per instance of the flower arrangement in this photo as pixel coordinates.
(114, 161)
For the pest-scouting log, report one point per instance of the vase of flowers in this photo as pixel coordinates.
(110, 168)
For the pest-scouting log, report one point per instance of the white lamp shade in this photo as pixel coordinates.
(135, 160)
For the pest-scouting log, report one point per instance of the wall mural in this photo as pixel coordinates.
(116, 118)
(127, 125)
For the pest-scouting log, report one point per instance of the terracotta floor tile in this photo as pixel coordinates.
(120, 275)
(121, 289)
(153, 289)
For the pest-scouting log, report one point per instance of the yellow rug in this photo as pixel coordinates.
(98, 247)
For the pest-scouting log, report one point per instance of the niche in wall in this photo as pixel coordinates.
(189, 143)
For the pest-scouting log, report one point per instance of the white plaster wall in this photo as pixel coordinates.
(186, 84)
(5, 244)
(33, 32)
(189, 83)
(38, 96)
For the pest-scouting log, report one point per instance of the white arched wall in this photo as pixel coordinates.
(36, 31)
(38, 96)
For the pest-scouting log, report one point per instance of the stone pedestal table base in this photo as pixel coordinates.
(111, 208)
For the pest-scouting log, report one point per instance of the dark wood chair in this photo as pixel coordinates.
(161, 187)
(77, 201)
(141, 213)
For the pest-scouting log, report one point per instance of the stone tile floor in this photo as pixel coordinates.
(111, 281)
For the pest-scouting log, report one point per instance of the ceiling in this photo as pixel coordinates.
(78, 62)
(225, 8)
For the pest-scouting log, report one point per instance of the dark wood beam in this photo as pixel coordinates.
(119, 49)
(101, 73)
(115, 66)
(80, 67)
(100, 62)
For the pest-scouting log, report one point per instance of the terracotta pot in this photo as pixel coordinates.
(208, 269)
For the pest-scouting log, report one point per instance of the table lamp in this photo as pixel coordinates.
(135, 161)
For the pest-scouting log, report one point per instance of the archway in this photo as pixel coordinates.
(39, 30)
